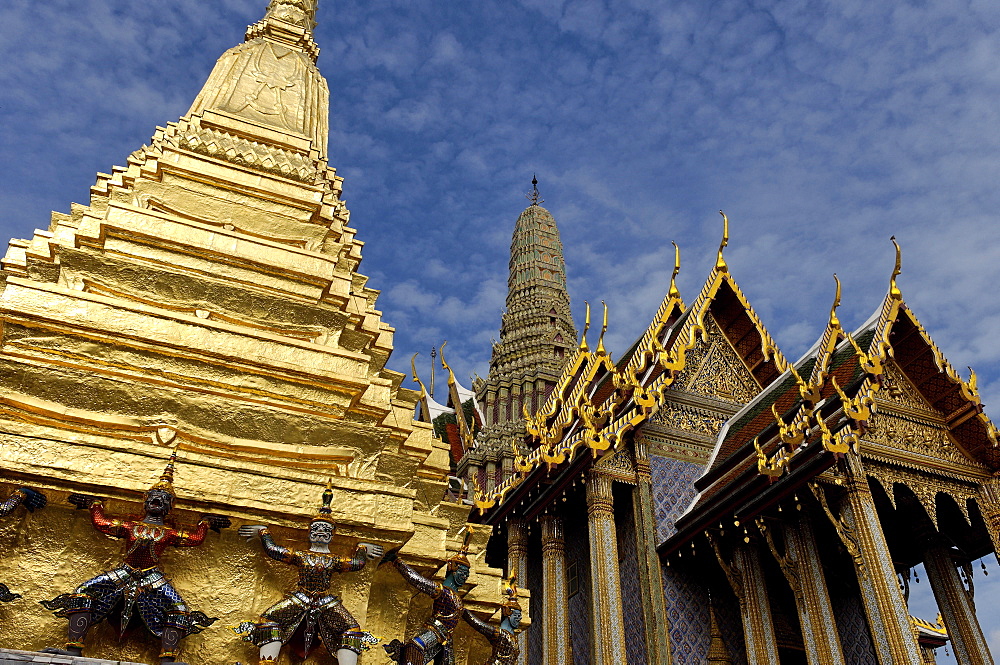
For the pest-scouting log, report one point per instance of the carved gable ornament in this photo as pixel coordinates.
(905, 422)
(713, 368)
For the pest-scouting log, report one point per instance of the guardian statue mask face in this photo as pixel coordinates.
(320, 533)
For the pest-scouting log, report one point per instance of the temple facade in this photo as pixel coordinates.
(702, 499)
(193, 359)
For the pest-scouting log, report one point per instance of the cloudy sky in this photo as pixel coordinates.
(822, 128)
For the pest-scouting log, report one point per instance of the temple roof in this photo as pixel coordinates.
(820, 408)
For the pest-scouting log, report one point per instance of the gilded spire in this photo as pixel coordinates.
(586, 328)
(674, 291)
(834, 321)
(297, 12)
(272, 80)
(604, 329)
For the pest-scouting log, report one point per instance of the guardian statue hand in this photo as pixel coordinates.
(250, 531)
(82, 501)
(217, 522)
(372, 551)
(33, 499)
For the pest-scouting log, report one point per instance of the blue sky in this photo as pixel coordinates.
(821, 128)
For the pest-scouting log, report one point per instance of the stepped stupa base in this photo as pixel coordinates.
(12, 657)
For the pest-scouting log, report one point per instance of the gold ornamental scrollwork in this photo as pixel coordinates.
(846, 534)
(772, 467)
(788, 566)
(732, 573)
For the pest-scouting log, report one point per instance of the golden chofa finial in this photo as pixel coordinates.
(586, 327)
(674, 291)
(533, 195)
(413, 366)
(894, 291)
(604, 329)
(834, 321)
(720, 262)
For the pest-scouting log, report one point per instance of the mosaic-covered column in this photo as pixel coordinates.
(956, 607)
(606, 595)
(556, 644)
(819, 625)
(517, 563)
(888, 618)
(654, 607)
(758, 627)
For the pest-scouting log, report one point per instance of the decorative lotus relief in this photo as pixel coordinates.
(719, 372)
(921, 438)
(688, 419)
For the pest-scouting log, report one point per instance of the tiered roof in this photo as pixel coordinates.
(821, 407)
(596, 403)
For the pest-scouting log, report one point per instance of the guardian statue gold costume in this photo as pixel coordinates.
(138, 584)
(311, 609)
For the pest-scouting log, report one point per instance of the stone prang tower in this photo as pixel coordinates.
(536, 337)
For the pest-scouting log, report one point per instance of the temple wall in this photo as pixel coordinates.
(628, 568)
(673, 490)
(688, 616)
(578, 554)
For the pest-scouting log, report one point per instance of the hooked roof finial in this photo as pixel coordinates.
(533, 195)
(586, 327)
(604, 329)
(674, 291)
(894, 291)
(416, 379)
(834, 321)
(720, 262)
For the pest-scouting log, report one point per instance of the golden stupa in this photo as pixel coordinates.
(207, 301)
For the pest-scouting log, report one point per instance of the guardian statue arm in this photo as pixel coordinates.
(482, 627)
(276, 551)
(418, 581)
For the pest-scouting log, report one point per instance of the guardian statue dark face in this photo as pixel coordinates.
(158, 503)
(320, 533)
(461, 574)
(514, 619)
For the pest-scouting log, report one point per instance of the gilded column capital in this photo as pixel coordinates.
(599, 498)
(553, 534)
(643, 472)
(517, 535)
